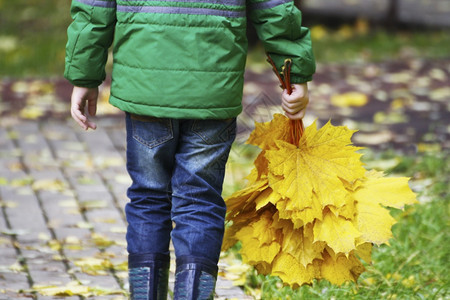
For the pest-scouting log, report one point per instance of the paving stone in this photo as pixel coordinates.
(120, 253)
(7, 146)
(43, 268)
(3, 225)
(68, 234)
(8, 256)
(26, 218)
(117, 135)
(111, 213)
(83, 253)
(106, 282)
(226, 290)
(99, 143)
(10, 279)
(45, 277)
(61, 213)
(11, 283)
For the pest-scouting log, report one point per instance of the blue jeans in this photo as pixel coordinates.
(177, 168)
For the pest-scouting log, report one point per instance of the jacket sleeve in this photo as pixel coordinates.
(89, 36)
(278, 25)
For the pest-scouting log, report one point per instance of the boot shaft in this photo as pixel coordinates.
(148, 276)
(195, 279)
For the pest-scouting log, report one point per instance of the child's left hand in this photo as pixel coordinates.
(295, 104)
(81, 97)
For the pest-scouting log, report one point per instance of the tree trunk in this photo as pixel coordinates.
(392, 15)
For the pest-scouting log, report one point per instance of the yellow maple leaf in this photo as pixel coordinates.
(342, 269)
(265, 197)
(237, 202)
(265, 134)
(316, 165)
(348, 210)
(337, 232)
(388, 191)
(372, 220)
(263, 231)
(364, 251)
(301, 245)
(288, 210)
(292, 272)
(253, 252)
(237, 222)
(260, 170)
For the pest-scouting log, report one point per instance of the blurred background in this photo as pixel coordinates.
(33, 32)
(383, 68)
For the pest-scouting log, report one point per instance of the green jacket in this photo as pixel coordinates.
(181, 58)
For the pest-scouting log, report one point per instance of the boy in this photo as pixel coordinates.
(178, 74)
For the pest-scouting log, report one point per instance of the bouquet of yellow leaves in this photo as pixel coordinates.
(310, 209)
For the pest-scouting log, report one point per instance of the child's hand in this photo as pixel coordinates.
(80, 96)
(295, 104)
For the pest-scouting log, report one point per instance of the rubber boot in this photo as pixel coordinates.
(195, 279)
(149, 276)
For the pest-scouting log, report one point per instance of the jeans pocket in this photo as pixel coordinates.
(151, 131)
(215, 131)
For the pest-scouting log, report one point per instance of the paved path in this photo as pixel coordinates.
(62, 193)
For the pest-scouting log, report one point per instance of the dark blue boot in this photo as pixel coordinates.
(195, 279)
(149, 276)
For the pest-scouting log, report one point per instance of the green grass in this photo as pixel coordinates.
(33, 37)
(415, 265)
(379, 45)
(346, 45)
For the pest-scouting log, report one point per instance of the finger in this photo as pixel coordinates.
(294, 97)
(297, 116)
(78, 113)
(295, 102)
(91, 125)
(293, 108)
(92, 106)
(294, 105)
(78, 116)
(79, 121)
(296, 93)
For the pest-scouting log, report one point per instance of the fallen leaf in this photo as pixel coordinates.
(349, 99)
(16, 267)
(52, 185)
(3, 181)
(94, 266)
(73, 289)
(31, 112)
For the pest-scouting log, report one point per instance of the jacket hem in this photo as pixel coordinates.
(176, 112)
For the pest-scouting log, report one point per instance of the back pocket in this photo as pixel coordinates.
(151, 131)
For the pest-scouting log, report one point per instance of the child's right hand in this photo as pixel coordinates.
(294, 105)
(80, 96)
